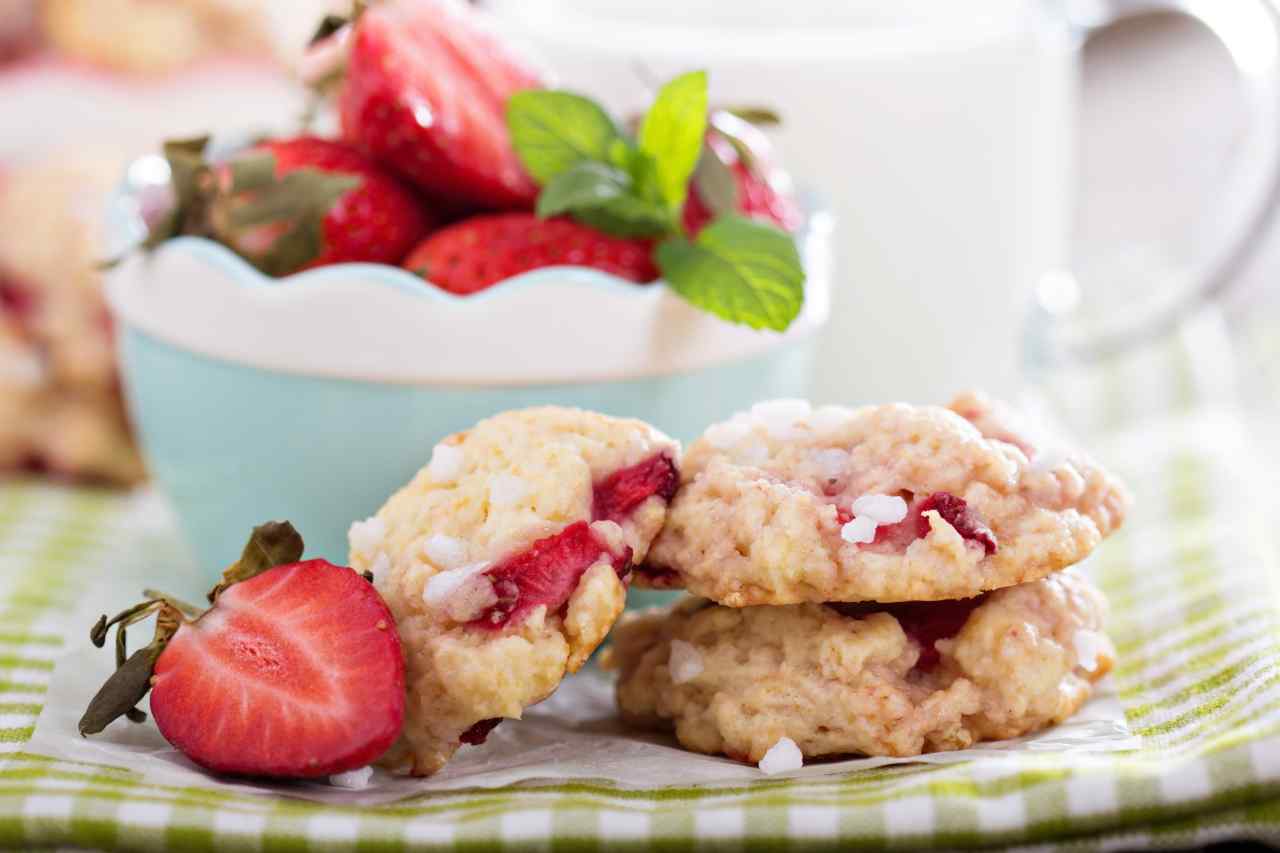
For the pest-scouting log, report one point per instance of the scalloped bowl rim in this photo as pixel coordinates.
(229, 310)
(404, 281)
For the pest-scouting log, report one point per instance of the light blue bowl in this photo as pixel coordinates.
(233, 445)
(234, 439)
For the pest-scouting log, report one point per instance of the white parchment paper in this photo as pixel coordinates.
(574, 735)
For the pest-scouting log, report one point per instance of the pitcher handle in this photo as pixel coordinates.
(1205, 266)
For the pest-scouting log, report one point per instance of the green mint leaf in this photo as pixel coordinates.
(629, 217)
(553, 131)
(621, 153)
(603, 197)
(646, 178)
(587, 184)
(673, 131)
(743, 271)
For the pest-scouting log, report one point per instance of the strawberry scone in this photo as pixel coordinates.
(506, 561)
(866, 679)
(788, 504)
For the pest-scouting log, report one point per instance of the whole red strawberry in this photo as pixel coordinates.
(292, 204)
(377, 222)
(425, 93)
(296, 671)
(476, 253)
(755, 188)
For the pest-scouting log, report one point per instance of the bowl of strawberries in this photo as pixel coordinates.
(300, 319)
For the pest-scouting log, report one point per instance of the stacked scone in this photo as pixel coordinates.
(888, 580)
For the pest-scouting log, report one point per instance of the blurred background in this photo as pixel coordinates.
(982, 169)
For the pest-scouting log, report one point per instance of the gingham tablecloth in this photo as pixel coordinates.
(1195, 622)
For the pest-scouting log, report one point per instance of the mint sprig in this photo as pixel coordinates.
(604, 197)
(741, 270)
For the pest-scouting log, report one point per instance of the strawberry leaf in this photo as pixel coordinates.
(553, 131)
(743, 271)
(272, 544)
(603, 196)
(328, 25)
(188, 171)
(673, 130)
(126, 687)
(292, 208)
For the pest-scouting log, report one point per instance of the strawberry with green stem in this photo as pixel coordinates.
(295, 671)
(287, 205)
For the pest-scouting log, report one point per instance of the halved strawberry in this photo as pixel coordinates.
(425, 93)
(476, 253)
(546, 573)
(295, 671)
(744, 180)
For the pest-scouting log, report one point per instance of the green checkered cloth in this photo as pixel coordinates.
(1194, 619)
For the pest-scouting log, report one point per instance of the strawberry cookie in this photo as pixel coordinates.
(506, 561)
(765, 684)
(788, 504)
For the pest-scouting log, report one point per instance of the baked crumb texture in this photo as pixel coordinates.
(846, 681)
(506, 561)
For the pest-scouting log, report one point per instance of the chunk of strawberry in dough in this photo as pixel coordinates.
(547, 574)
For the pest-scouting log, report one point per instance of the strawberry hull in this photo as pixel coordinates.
(377, 222)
